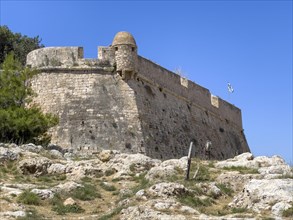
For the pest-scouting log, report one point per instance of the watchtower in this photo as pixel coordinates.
(125, 49)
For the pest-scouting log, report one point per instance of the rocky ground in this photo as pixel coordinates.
(38, 183)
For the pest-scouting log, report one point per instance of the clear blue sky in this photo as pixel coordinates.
(247, 43)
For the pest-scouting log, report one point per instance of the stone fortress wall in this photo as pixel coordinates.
(123, 101)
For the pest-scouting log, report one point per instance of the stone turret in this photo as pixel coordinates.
(125, 49)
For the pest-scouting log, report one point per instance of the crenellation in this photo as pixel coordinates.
(123, 101)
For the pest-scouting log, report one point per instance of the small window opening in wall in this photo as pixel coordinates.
(156, 149)
(160, 89)
(116, 48)
(133, 48)
(128, 145)
(221, 130)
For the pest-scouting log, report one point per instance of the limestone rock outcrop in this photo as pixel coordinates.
(144, 188)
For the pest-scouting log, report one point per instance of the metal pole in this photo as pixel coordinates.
(189, 161)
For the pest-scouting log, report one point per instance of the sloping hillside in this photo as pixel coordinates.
(38, 183)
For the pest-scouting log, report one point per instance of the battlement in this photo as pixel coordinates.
(68, 57)
(147, 108)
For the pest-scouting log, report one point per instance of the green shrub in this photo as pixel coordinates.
(193, 201)
(88, 192)
(57, 206)
(56, 200)
(288, 212)
(51, 178)
(142, 182)
(239, 210)
(107, 186)
(114, 212)
(86, 179)
(224, 189)
(110, 171)
(203, 174)
(63, 209)
(29, 198)
(117, 179)
(285, 176)
(242, 170)
(132, 167)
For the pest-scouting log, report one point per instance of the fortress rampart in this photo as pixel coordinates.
(123, 101)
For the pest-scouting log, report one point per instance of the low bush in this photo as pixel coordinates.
(113, 213)
(242, 170)
(225, 189)
(239, 210)
(288, 212)
(57, 206)
(142, 182)
(29, 198)
(194, 201)
(63, 209)
(107, 186)
(88, 192)
(203, 174)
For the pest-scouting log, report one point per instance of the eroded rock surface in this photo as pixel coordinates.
(146, 188)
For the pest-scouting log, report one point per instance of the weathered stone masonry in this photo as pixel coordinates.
(123, 101)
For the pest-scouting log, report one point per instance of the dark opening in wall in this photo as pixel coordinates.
(188, 106)
(120, 73)
(82, 123)
(114, 124)
(149, 90)
(156, 149)
(128, 145)
(137, 79)
(221, 130)
(93, 137)
(133, 48)
(116, 48)
(160, 89)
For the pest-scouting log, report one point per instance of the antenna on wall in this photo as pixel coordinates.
(180, 72)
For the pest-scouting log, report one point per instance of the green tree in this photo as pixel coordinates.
(19, 123)
(21, 45)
